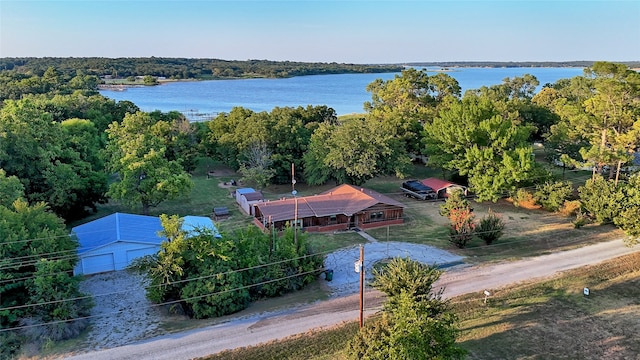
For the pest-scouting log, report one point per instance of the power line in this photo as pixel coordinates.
(167, 302)
(165, 284)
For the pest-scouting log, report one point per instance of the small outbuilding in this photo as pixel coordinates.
(247, 197)
(112, 242)
(443, 187)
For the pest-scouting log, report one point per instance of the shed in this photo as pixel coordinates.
(114, 241)
(247, 197)
(442, 187)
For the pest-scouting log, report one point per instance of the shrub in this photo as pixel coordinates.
(455, 201)
(552, 195)
(462, 227)
(570, 208)
(490, 228)
(602, 199)
(524, 199)
(416, 322)
(580, 221)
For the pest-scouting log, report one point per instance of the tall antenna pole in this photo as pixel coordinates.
(295, 210)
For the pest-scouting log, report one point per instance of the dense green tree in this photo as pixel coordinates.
(11, 189)
(137, 156)
(55, 162)
(415, 324)
(599, 118)
(286, 132)
(552, 195)
(490, 227)
(353, 152)
(37, 256)
(150, 80)
(472, 138)
(212, 276)
(615, 111)
(602, 199)
(402, 105)
(227, 136)
(178, 137)
(96, 108)
(628, 219)
(183, 68)
(289, 132)
(515, 99)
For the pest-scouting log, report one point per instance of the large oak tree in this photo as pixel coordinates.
(137, 156)
(473, 138)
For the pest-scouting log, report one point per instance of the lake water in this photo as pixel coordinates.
(345, 93)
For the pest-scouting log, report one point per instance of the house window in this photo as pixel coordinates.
(376, 215)
(333, 219)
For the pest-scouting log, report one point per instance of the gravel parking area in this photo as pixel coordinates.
(346, 281)
(122, 314)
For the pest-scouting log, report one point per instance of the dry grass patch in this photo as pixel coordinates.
(554, 320)
(546, 320)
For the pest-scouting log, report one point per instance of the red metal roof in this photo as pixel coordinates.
(344, 199)
(438, 184)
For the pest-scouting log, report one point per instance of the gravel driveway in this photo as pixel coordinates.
(346, 281)
(122, 314)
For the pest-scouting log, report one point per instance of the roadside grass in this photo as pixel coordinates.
(549, 319)
(316, 344)
(553, 319)
(316, 291)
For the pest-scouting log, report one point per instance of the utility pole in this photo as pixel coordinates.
(295, 210)
(361, 285)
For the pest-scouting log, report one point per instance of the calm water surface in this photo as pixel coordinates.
(345, 93)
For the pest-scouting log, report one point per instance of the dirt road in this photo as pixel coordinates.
(263, 328)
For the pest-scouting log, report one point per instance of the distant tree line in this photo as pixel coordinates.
(184, 68)
(508, 64)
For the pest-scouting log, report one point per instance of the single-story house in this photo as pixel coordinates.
(114, 241)
(340, 208)
(442, 187)
(246, 197)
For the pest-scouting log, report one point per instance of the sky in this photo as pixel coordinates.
(346, 31)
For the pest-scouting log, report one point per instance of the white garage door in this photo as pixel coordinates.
(136, 253)
(98, 263)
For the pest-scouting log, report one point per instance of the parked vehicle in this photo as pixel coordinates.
(418, 190)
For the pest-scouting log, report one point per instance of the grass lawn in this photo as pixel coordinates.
(207, 192)
(551, 319)
(528, 232)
